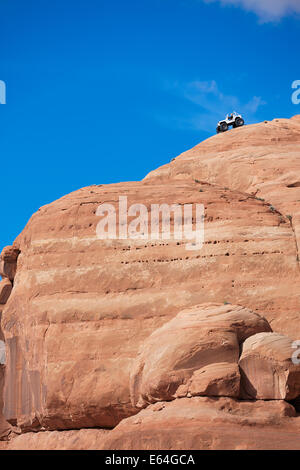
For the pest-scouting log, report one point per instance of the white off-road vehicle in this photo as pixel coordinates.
(234, 119)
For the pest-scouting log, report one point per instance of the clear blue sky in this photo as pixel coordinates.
(105, 91)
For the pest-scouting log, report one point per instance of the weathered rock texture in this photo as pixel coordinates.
(187, 423)
(82, 308)
(201, 336)
(208, 424)
(267, 368)
(217, 379)
(82, 439)
(261, 159)
(8, 263)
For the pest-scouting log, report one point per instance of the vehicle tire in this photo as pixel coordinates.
(223, 127)
(218, 130)
(239, 122)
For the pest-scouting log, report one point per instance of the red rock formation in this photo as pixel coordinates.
(221, 379)
(201, 336)
(8, 262)
(267, 368)
(208, 424)
(81, 308)
(261, 160)
(200, 423)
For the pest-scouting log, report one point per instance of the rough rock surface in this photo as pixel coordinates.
(208, 423)
(81, 308)
(82, 439)
(195, 338)
(267, 368)
(261, 159)
(217, 379)
(8, 266)
(8, 262)
(200, 423)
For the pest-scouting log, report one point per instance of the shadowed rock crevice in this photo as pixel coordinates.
(8, 267)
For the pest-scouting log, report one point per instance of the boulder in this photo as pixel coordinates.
(267, 370)
(203, 335)
(107, 296)
(220, 379)
(10, 254)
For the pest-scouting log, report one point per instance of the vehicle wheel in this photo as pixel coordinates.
(223, 127)
(218, 130)
(239, 122)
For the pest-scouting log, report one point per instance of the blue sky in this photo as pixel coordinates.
(105, 91)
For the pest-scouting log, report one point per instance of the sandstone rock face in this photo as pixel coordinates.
(82, 308)
(261, 160)
(208, 424)
(203, 335)
(267, 368)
